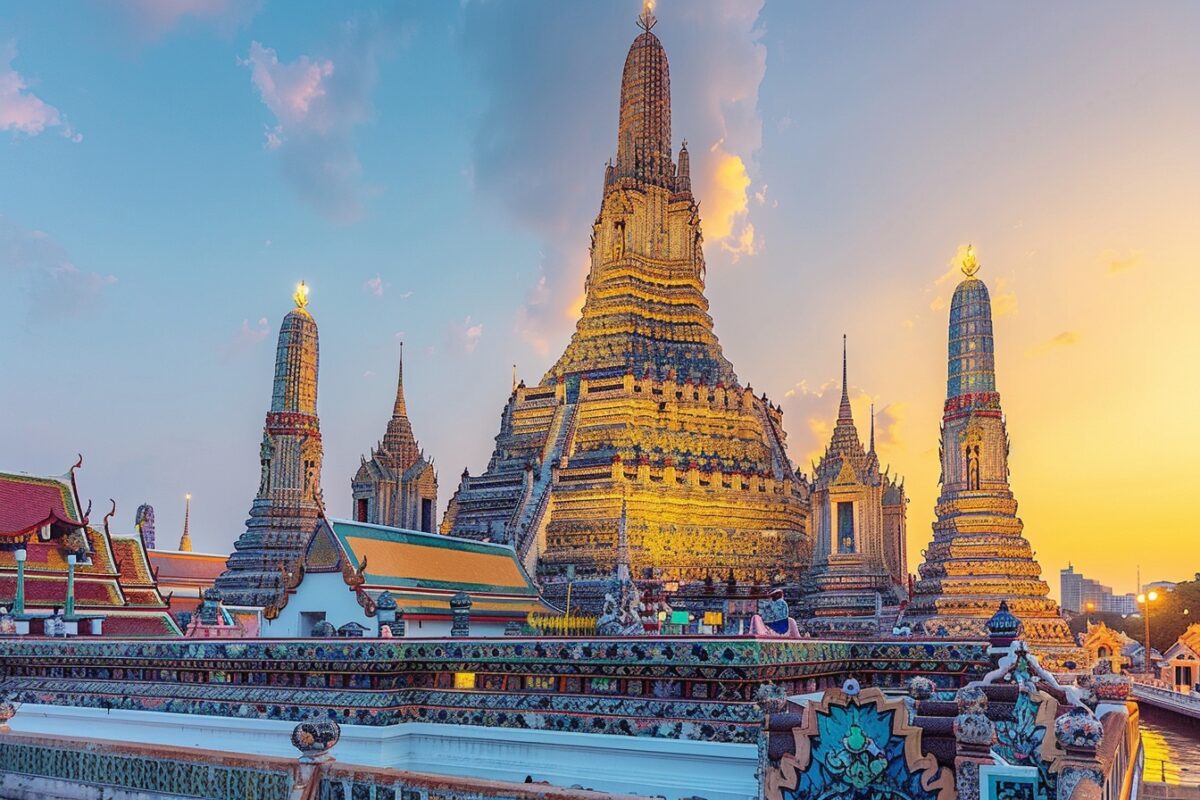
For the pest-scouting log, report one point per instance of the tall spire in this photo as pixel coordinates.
(400, 409)
(971, 360)
(185, 541)
(844, 413)
(644, 129)
(872, 450)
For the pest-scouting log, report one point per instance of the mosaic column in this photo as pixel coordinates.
(19, 601)
(69, 606)
(460, 608)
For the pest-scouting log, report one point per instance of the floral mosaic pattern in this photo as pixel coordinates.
(672, 688)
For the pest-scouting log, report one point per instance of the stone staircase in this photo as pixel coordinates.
(529, 520)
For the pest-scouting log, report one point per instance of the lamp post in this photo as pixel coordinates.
(1144, 600)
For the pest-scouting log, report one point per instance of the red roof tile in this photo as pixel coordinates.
(28, 503)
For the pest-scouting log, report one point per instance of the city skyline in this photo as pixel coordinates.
(1063, 248)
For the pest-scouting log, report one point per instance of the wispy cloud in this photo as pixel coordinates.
(464, 336)
(22, 111)
(317, 103)
(248, 336)
(1064, 339)
(41, 268)
(151, 20)
(374, 285)
(1122, 261)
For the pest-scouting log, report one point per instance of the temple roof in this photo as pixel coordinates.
(400, 558)
(28, 502)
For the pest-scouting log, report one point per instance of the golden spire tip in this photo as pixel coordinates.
(301, 295)
(969, 263)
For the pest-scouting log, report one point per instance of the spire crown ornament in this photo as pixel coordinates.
(647, 20)
(969, 263)
(301, 295)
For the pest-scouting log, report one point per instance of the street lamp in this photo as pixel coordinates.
(1145, 600)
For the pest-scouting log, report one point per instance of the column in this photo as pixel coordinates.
(69, 607)
(19, 601)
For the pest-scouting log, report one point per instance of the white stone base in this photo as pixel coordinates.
(633, 765)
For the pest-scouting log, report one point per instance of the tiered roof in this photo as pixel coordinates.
(113, 577)
(423, 571)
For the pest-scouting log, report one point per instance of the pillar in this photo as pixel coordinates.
(69, 607)
(19, 601)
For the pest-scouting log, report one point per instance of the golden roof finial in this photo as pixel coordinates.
(647, 19)
(969, 263)
(301, 295)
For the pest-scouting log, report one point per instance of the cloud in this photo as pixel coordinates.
(406, 295)
(1003, 302)
(151, 20)
(248, 336)
(374, 285)
(41, 268)
(317, 104)
(22, 111)
(464, 336)
(726, 208)
(1064, 339)
(550, 74)
(1120, 262)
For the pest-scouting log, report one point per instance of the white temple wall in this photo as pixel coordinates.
(636, 765)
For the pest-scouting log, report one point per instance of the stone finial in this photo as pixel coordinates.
(921, 688)
(8, 710)
(971, 699)
(314, 739)
(1078, 730)
(1003, 628)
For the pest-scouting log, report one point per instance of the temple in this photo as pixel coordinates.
(859, 569)
(642, 407)
(285, 510)
(397, 487)
(61, 576)
(979, 555)
(359, 578)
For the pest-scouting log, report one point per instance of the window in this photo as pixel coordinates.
(845, 527)
(427, 515)
(360, 509)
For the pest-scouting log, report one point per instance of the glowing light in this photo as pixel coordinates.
(301, 295)
(970, 264)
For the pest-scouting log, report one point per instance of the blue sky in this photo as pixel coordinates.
(169, 170)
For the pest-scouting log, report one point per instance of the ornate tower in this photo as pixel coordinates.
(397, 486)
(979, 555)
(852, 589)
(185, 541)
(284, 512)
(642, 405)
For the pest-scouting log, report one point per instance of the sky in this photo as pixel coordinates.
(169, 169)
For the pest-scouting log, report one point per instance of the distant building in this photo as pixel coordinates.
(397, 486)
(1078, 592)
